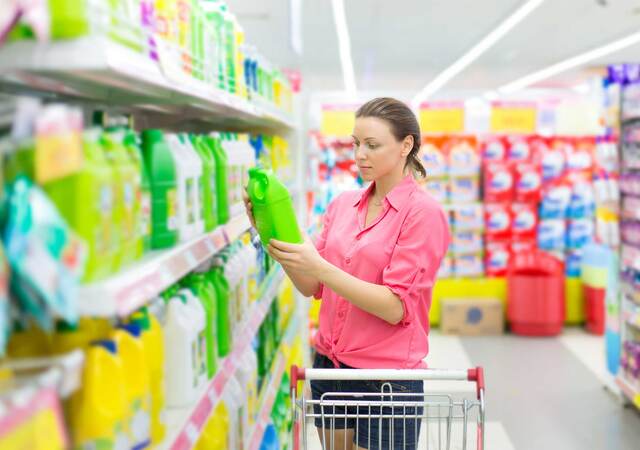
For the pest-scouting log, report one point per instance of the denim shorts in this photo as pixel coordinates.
(372, 434)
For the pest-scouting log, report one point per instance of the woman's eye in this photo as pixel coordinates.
(372, 146)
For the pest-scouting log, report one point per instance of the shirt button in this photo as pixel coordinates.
(341, 314)
(358, 237)
(347, 260)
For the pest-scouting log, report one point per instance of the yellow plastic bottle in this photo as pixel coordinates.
(29, 342)
(69, 337)
(215, 434)
(153, 343)
(137, 385)
(99, 410)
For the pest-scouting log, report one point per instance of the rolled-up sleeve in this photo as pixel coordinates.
(416, 257)
(321, 240)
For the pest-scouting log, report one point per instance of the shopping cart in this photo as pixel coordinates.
(441, 421)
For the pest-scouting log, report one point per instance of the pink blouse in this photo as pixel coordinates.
(402, 250)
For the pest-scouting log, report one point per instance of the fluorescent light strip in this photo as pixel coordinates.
(477, 50)
(570, 63)
(344, 46)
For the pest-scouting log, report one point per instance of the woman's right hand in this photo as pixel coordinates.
(249, 207)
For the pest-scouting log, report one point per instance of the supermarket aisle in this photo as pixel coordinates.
(554, 399)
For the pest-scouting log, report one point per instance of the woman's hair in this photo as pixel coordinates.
(403, 123)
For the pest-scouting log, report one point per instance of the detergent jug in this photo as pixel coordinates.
(272, 208)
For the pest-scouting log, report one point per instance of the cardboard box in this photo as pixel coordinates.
(472, 316)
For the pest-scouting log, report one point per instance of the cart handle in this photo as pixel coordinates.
(476, 375)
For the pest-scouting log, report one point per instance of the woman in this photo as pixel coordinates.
(373, 266)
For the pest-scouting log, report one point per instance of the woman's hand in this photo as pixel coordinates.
(303, 258)
(249, 207)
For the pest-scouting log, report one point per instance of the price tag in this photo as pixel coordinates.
(513, 118)
(442, 117)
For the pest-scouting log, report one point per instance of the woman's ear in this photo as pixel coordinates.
(407, 145)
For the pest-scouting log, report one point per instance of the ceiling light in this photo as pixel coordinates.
(477, 50)
(344, 46)
(570, 63)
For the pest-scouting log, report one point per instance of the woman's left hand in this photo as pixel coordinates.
(303, 258)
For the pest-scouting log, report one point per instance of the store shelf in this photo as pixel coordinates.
(134, 286)
(632, 393)
(270, 389)
(187, 422)
(98, 70)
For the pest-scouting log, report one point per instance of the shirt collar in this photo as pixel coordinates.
(398, 196)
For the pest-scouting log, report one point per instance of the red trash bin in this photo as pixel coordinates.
(594, 302)
(535, 291)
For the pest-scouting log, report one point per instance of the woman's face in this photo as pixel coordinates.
(376, 150)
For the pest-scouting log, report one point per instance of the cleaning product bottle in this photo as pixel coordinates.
(85, 200)
(68, 18)
(221, 285)
(153, 343)
(127, 184)
(132, 144)
(99, 411)
(198, 175)
(205, 292)
(248, 377)
(28, 341)
(235, 400)
(199, 322)
(222, 195)
(230, 51)
(161, 167)
(208, 182)
(69, 337)
(181, 347)
(239, 59)
(185, 187)
(137, 384)
(272, 208)
(207, 148)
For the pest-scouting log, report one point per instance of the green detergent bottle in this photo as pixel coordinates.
(127, 207)
(85, 200)
(132, 143)
(216, 277)
(69, 18)
(206, 144)
(159, 162)
(222, 192)
(206, 292)
(208, 182)
(272, 208)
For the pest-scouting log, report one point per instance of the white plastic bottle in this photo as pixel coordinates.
(248, 378)
(197, 173)
(198, 323)
(235, 399)
(184, 188)
(181, 361)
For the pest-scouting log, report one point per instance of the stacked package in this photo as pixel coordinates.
(453, 178)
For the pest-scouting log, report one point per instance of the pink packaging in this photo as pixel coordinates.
(528, 182)
(524, 220)
(494, 148)
(464, 189)
(498, 182)
(497, 258)
(468, 266)
(519, 149)
(466, 242)
(497, 221)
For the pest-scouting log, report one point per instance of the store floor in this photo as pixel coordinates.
(541, 393)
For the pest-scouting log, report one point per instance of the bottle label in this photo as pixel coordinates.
(145, 213)
(172, 209)
(191, 217)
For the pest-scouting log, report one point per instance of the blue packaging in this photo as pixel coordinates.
(551, 234)
(579, 233)
(573, 263)
(582, 203)
(555, 202)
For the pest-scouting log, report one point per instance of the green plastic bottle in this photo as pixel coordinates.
(216, 276)
(85, 200)
(159, 162)
(132, 144)
(208, 182)
(206, 293)
(222, 192)
(206, 144)
(69, 18)
(230, 47)
(126, 205)
(272, 207)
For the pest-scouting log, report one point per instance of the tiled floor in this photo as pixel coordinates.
(541, 394)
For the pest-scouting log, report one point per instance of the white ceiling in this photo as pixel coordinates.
(402, 44)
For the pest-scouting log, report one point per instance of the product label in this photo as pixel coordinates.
(128, 195)
(145, 214)
(191, 207)
(172, 210)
